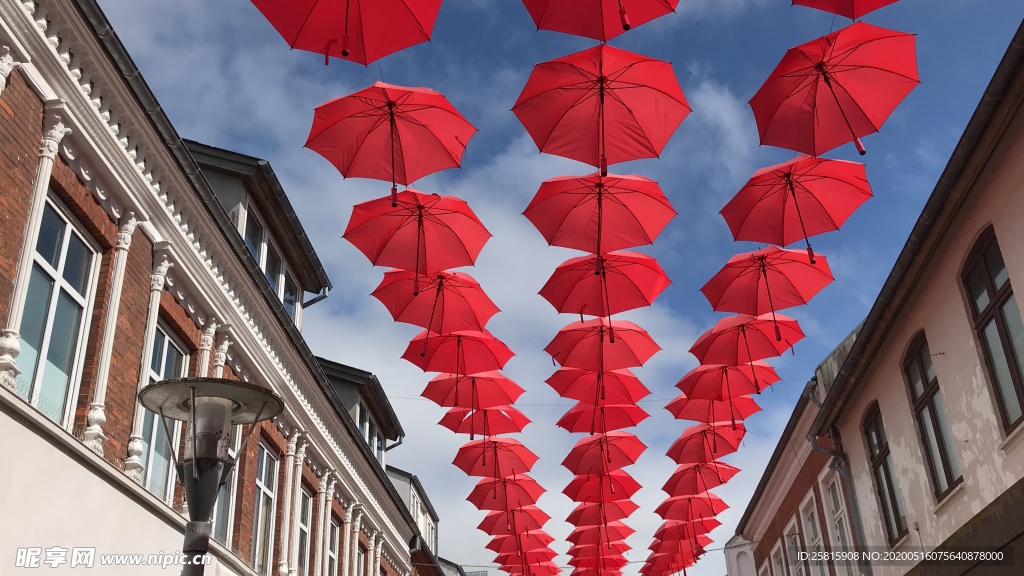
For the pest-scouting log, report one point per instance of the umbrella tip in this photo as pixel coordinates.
(860, 146)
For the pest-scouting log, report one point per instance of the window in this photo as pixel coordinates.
(60, 294)
(305, 521)
(225, 510)
(882, 472)
(332, 547)
(931, 418)
(812, 533)
(414, 508)
(263, 518)
(380, 448)
(270, 262)
(998, 324)
(794, 548)
(764, 571)
(361, 561)
(839, 522)
(364, 420)
(779, 561)
(168, 361)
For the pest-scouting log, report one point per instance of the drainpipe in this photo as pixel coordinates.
(841, 464)
(317, 298)
(396, 444)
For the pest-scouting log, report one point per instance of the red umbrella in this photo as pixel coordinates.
(599, 345)
(603, 453)
(683, 529)
(602, 106)
(612, 387)
(597, 214)
(464, 352)
(722, 382)
(691, 507)
(594, 513)
(702, 410)
(667, 544)
(506, 494)
(600, 534)
(705, 442)
(494, 458)
(532, 557)
(445, 302)
(539, 569)
(425, 233)
(481, 390)
(536, 539)
(795, 200)
(697, 478)
(521, 519)
(603, 285)
(766, 280)
(742, 338)
(601, 20)
(852, 9)
(588, 418)
(606, 562)
(485, 421)
(613, 547)
(355, 30)
(605, 487)
(835, 89)
(390, 133)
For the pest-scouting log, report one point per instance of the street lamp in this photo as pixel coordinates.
(210, 407)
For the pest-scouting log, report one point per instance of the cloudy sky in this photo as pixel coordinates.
(226, 78)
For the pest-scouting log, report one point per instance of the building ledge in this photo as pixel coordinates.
(954, 494)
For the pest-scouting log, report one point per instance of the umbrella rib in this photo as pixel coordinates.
(418, 23)
(633, 116)
(304, 21)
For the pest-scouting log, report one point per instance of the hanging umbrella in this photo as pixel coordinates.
(600, 534)
(604, 487)
(601, 20)
(683, 529)
(613, 546)
(691, 507)
(697, 478)
(607, 284)
(507, 494)
(358, 30)
(722, 382)
(598, 214)
(594, 513)
(536, 539)
(702, 410)
(485, 421)
(852, 9)
(480, 390)
(531, 557)
(674, 544)
(588, 418)
(743, 338)
(444, 302)
(616, 386)
(600, 345)
(606, 562)
(390, 133)
(835, 89)
(767, 280)
(602, 106)
(425, 233)
(603, 453)
(522, 519)
(461, 353)
(494, 458)
(795, 200)
(539, 569)
(706, 442)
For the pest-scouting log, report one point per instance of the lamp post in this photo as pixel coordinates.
(210, 407)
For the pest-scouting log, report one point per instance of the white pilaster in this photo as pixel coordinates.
(282, 566)
(328, 514)
(205, 345)
(7, 64)
(323, 509)
(54, 131)
(293, 547)
(94, 436)
(378, 548)
(346, 538)
(356, 522)
(220, 355)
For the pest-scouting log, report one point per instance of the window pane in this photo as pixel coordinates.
(174, 362)
(933, 449)
(914, 375)
(976, 286)
(51, 235)
(148, 422)
(76, 264)
(266, 510)
(883, 492)
(273, 268)
(1002, 372)
(158, 474)
(33, 324)
(291, 296)
(873, 438)
(900, 516)
(268, 476)
(254, 236)
(303, 550)
(994, 260)
(53, 389)
(947, 436)
(837, 503)
(926, 361)
(221, 521)
(158, 351)
(1014, 326)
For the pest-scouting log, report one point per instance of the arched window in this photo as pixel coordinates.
(882, 472)
(931, 417)
(998, 324)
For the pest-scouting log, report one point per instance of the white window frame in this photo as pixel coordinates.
(174, 427)
(360, 560)
(764, 570)
(778, 559)
(825, 479)
(267, 244)
(59, 283)
(305, 527)
(231, 486)
(794, 547)
(333, 536)
(815, 545)
(271, 458)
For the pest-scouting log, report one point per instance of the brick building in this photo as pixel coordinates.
(921, 408)
(128, 256)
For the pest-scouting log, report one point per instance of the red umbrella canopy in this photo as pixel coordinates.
(595, 513)
(599, 534)
(601, 345)
(597, 213)
(702, 410)
(684, 529)
(536, 539)
(494, 458)
(601, 20)
(609, 547)
(442, 302)
(677, 544)
(521, 519)
(794, 200)
(607, 284)
(835, 89)
(602, 106)
(619, 386)
(509, 493)
(390, 133)
(603, 453)
(588, 418)
(539, 569)
(532, 557)
(706, 442)
(481, 390)
(605, 487)
(739, 339)
(463, 352)
(485, 421)
(425, 233)
(696, 478)
(721, 382)
(852, 9)
(606, 562)
(691, 507)
(358, 30)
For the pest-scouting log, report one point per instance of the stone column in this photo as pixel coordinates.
(54, 131)
(220, 355)
(322, 509)
(7, 64)
(133, 465)
(94, 435)
(370, 552)
(293, 548)
(378, 548)
(328, 515)
(282, 565)
(355, 542)
(205, 345)
(346, 539)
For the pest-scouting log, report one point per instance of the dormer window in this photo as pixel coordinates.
(268, 257)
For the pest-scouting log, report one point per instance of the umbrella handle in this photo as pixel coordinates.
(327, 51)
(344, 46)
(394, 196)
(624, 19)
(604, 165)
(860, 146)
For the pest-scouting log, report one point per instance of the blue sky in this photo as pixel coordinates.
(226, 78)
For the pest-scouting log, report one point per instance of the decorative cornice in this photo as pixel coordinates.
(126, 226)
(7, 64)
(54, 130)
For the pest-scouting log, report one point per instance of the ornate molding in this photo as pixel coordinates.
(54, 131)
(7, 64)
(126, 229)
